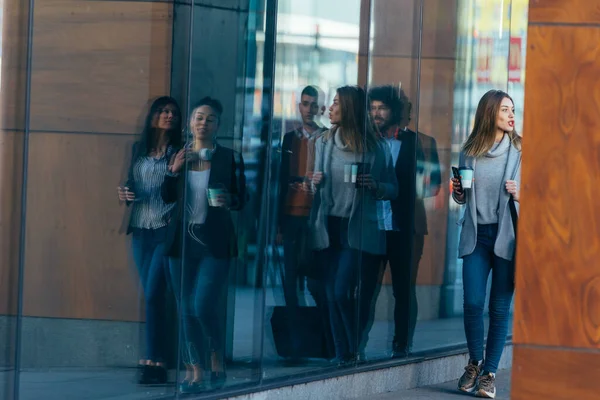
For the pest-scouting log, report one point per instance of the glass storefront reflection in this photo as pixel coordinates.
(283, 205)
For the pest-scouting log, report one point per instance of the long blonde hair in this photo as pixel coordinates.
(483, 136)
(354, 121)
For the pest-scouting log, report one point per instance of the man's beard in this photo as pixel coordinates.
(382, 126)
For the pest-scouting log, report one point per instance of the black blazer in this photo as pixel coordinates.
(416, 152)
(217, 232)
(135, 155)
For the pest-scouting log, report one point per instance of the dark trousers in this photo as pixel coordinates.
(404, 252)
(148, 247)
(294, 228)
(200, 283)
(476, 270)
(342, 266)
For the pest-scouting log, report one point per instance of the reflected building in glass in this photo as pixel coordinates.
(280, 215)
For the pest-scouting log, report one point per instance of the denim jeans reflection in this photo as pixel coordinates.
(200, 283)
(476, 270)
(148, 246)
(342, 265)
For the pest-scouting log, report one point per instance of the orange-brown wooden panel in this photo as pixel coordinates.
(439, 29)
(14, 62)
(552, 374)
(566, 11)
(95, 62)
(436, 100)
(77, 259)
(11, 162)
(395, 28)
(558, 260)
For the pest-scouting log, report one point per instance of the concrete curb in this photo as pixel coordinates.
(421, 373)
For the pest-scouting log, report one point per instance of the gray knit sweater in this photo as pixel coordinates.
(342, 193)
(488, 181)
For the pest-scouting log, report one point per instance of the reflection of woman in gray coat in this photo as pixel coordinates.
(487, 240)
(344, 216)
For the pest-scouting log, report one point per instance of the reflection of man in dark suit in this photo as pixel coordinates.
(405, 220)
(294, 201)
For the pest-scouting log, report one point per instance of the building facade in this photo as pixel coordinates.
(77, 78)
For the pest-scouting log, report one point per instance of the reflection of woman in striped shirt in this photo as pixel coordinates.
(161, 138)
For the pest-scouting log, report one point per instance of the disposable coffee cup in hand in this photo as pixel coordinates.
(347, 173)
(213, 193)
(354, 173)
(466, 177)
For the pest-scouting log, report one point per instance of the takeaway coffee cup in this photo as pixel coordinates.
(347, 173)
(213, 192)
(466, 177)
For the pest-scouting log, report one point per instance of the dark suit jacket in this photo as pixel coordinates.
(217, 232)
(418, 153)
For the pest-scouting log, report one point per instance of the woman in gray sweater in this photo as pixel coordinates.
(487, 240)
(353, 170)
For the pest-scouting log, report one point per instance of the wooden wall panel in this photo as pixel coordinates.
(561, 11)
(396, 33)
(11, 160)
(95, 66)
(12, 122)
(439, 29)
(435, 114)
(96, 62)
(14, 63)
(554, 374)
(557, 311)
(77, 259)
(559, 252)
(395, 28)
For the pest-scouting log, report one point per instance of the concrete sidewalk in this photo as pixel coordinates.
(445, 391)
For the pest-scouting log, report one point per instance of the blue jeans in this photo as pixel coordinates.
(200, 284)
(148, 247)
(342, 266)
(476, 269)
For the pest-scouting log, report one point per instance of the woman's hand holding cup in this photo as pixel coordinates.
(218, 196)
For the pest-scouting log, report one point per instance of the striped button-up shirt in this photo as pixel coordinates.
(149, 209)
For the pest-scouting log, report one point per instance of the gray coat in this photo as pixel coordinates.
(363, 229)
(505, 240)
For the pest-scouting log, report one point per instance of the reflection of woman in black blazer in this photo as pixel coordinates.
(160, 140)
(207, 181)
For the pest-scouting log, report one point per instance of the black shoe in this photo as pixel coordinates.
(161, 375)
(400, 353)
(152, 375)
(218, 379)
(400, 350)
(145, 375)
(346, 361)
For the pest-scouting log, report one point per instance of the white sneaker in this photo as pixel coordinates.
(486, 386)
